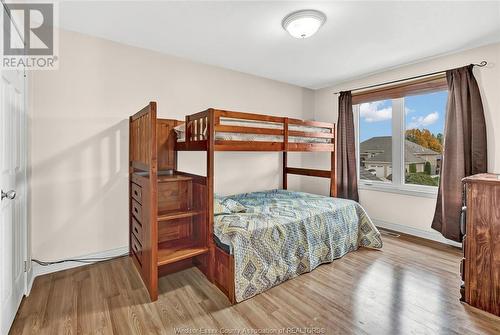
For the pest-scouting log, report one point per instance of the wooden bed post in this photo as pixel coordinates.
(285, 176)
(333, 167)
(210, 192)
(285, 153)
(153, 211)
(143, 157)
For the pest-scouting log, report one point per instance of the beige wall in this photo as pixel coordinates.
(416, 212)
(79, 136)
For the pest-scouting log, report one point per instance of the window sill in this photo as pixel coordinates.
(414, 191)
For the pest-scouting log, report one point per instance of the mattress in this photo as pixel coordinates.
(225, 247)
(284, 234)
(225, 136)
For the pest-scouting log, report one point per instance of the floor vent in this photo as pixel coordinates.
(389, 233)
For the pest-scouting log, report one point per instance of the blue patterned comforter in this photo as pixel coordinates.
(284, 234)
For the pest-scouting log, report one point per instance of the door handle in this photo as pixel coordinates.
(9, 195)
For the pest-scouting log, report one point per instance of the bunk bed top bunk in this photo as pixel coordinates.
(222, 130)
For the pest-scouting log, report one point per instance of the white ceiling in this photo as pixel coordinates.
(359, 37)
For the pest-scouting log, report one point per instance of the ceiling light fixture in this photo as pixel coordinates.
(303, 23)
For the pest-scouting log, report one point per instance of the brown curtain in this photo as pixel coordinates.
(464, 148)
(347, 178)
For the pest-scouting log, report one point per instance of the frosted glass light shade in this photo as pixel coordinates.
(304, 23)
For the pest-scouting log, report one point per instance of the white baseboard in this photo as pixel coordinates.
(39, 270)
(30, 277)
(429, 235)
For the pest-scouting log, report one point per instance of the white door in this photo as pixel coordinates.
(13, 231)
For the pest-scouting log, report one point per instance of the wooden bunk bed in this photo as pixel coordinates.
(172, 212)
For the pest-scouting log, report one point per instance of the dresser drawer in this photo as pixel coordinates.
(137, 230)
(137, 210)
(136, 249)
(136, 191)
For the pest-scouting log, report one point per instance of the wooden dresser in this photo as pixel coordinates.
(480, 267)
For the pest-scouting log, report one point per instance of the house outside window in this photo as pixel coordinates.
(400, 136)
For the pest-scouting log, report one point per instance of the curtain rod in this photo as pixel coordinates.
(482, 64)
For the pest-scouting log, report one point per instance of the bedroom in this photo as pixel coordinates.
(74, 196)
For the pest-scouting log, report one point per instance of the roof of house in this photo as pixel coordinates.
(367, 175)
(382, 146)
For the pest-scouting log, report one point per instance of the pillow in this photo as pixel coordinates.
(219, 207)
(179, 131)
(234, 206)
(180, 128)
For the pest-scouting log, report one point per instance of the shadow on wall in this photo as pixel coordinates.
(241, 172)
(80, 194)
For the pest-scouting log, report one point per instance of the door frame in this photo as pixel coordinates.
(24, 135)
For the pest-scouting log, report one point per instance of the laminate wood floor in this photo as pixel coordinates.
(410, 287)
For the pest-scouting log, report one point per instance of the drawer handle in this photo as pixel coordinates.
(136, 230)
(463, 220)
(136, 210)
(136, 193)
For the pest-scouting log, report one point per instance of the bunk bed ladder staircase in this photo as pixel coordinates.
(168, 223)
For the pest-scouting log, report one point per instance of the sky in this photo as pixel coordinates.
(424, 111)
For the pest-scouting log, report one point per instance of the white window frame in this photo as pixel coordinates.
(398, 184)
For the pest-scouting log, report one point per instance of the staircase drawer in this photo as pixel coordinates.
(136, 249)
(136, 191)
(137, 230)
(137, 211)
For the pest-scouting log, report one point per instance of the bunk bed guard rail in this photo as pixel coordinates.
(286, 133)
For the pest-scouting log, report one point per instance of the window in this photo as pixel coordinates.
(423, 152)
(375, 138)
(400, 138)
